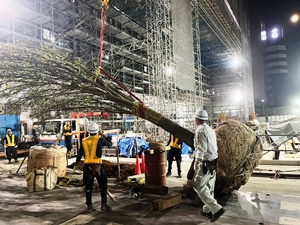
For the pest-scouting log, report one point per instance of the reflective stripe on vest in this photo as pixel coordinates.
(67, 128)
(174, 144)
(90, 147)
(12, 142)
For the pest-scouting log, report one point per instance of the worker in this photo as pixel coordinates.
(67, 131)
(91, 148)
(175, 151)
(205, 166)
(10, 143)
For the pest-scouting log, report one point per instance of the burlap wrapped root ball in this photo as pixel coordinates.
(239, 152)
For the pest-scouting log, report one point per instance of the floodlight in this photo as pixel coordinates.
(237, 96)
(169, 71)
(295, 18)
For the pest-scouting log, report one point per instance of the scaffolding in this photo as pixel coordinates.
(139, 54)
(162, 87)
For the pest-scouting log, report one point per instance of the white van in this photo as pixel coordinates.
(52, 131)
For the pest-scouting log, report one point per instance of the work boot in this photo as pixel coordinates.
(105, 208)
(90, 208)
(179, 175)
(208, 215)
(217, 215)
(9, 162)
(168, 174)
(16, 161)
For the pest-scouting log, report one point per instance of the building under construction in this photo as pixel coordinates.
(177, 55)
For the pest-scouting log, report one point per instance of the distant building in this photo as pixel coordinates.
(276, 74)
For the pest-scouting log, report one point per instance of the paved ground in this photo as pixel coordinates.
(260, 201)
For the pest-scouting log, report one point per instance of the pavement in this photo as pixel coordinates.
(263, 200)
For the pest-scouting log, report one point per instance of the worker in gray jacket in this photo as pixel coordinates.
(205, 165)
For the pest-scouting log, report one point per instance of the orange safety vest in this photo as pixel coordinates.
(12, 142)
(67, 128)
(90, 147)
(174, 143)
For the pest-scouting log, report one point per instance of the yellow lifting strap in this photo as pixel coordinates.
(98, 72)
(105, 4)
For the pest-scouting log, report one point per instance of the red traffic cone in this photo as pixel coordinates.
(143, 164)
(137, 165)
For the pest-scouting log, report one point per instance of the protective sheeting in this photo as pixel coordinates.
(183, 44)
(288, 129)
(10, 122)
(186, 150)
(132, 146)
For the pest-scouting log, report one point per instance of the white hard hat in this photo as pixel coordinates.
(9, 130)
(201, 114)
(93, 128)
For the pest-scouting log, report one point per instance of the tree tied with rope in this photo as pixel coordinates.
(43, 79)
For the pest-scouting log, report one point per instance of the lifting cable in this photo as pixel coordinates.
(105, 6)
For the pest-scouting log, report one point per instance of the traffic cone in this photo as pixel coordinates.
(137, 165)
(143, 164)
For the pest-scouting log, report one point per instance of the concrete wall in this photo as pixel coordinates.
(183, 44)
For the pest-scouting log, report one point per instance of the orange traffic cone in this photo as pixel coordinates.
(143, 164)
(137, 165)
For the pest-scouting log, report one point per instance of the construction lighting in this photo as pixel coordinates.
(295, 18)
(169, 71)
(262, 100)
(236, 61)
(138, 88)
(237, 96)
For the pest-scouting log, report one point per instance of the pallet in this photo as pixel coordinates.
(19, 152)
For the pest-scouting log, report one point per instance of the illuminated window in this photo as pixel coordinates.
(274, 33)
(263, 35)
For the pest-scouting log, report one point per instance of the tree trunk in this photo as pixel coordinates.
(239, 149)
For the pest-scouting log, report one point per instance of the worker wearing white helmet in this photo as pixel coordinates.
(10, 143)
(91, 148)
(205, 164)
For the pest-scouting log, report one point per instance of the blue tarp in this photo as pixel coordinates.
(10, 122)
(186, 150)
(131, 146)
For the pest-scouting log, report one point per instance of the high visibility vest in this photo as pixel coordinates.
(90, 147)
(68, 128)
(12, 142)
(174, 143)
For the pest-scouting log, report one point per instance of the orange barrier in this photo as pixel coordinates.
(137, 165)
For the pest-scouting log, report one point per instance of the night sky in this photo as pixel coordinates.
(276, 13)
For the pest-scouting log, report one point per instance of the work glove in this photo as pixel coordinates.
(197, 165)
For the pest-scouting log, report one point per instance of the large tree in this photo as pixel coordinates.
(44, 79)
